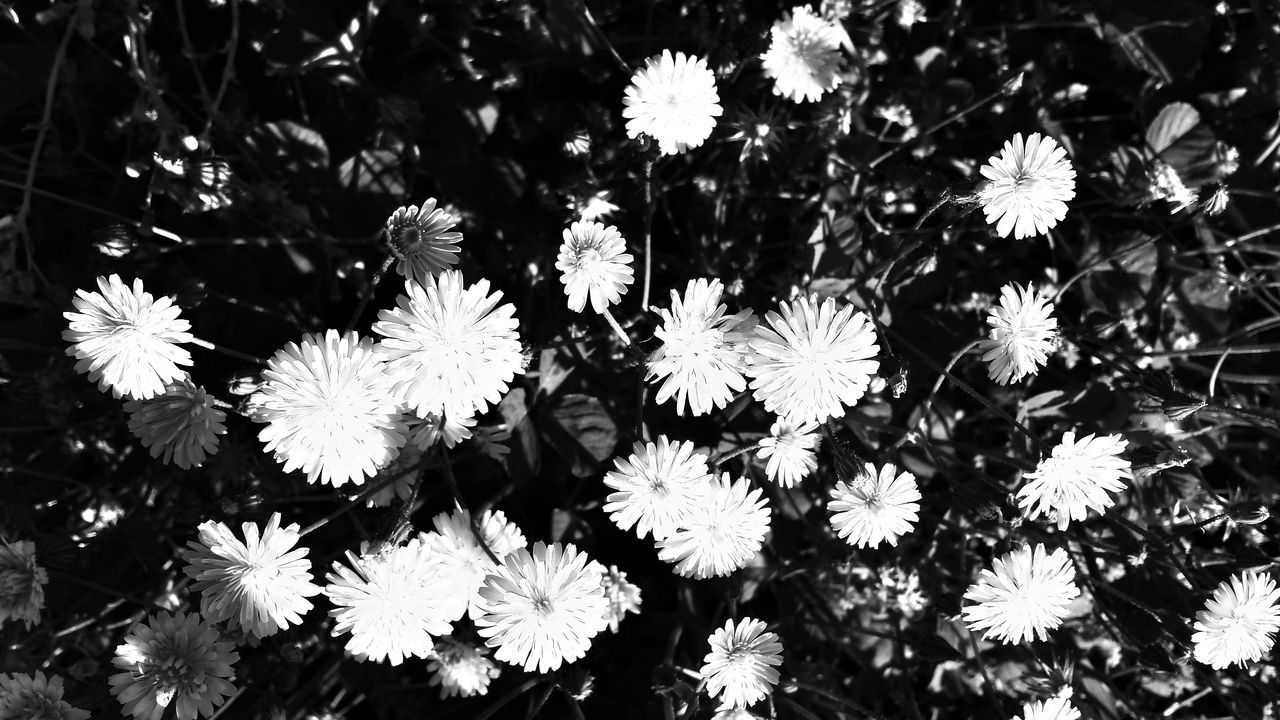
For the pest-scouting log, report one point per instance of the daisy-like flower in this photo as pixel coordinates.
(813, 360)
(660, 486)
(803, 58)
(1078, 476)
(1023, 333)
(126, 339)
(542, 608)
(35, 697)
(1027, 187)
(700, 362)
(742, 667)
(1239, 623)
(460, 668)
(1056, 708)
(260, 585)
(465, 561)
(22, 583)
(673, 100)
(393, 602)
(1023, 596)
(724, 532)
(180, 426)
(880, 507)
(789, 452)
(622, 595)
(593, 263)
(173, 660)
(450, 348)
(422, 240)
(449, 429)
(329, 408)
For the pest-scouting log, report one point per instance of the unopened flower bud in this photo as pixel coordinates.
(1248, 513)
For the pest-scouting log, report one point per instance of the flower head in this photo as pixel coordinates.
(659, 487)
(1023, 596)
(421, 239)
(673, 100)
(126, 340)
(181, 425)
(1023, 333)
(722, 534)
(460, 668)
(742, 667)
(35, 697)
(465, 561)
(1238, 624)
(593, 263)
(173, 660)
(701, 359)
(22, 583)
(1077, 477)
(881, 507)
(622, 595)
(803, 58)
(789, 452)
(1057, 708)
(1027, 186)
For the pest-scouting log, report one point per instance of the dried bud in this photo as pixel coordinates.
(1248, 513)
(1180, 406)
(1013, 84)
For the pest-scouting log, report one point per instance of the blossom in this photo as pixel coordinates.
(622, 595)
(593, 263)
(1238, 624)
(1027, 186)
(435, 428)
(803, 58)
(260, 585)
(421, 240)
(173, 659)
(449, 348)
(741, 668)
(1023, 596)
(464, 559)
(1076, 477)
(1056, 708)
(460, 668)
(181, 425)
(542, 607)
(127, 340)
(329, 409)
(700, 362)
(22, 583)
(722, 534)
(674, 101)
(1023, 333)
(658, 487)
(880, 507)
(813, 360)
(35, 697)
(789, 450)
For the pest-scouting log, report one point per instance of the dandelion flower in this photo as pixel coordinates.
(329, 409)
(622, 595)
(260, 585)
(1023, 333)
(724, 532)
(674, 101)
(542, 608)
(881, 507)
(813, 360)
(22, 583)
(1056, 708)
(181, 426)
(421, 240)
(742, 667)
(126, 340)
(35, 697)
(789, 452)
(1078, 476)
(434, 428)
(1027, 186)
(700, 362)
(593, 263)
(1239, 623)
(460, 668)
(465, 561)
(173, 660)
(1023, 596)
(658, 487)
(803, 58)
(450, 348)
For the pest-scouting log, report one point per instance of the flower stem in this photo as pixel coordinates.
(740, 451)
(369, 289)
(648, 232)
(228, 351)
(617, 329)
(361, 498)
(452, 482)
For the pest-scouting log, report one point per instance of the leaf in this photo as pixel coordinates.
(373, 171)
(582, 432)
(525, 459)
(295, 144)
(1173, 122)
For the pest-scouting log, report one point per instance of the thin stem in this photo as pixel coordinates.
(368, 291)
(648, 232)
(986, 679)
(946, 371)
(227, 69)
(360, 498)
(228, 351)
(617, 329)
(952, 118)
(105, 590)
(1100, 262)
(452, 482)
(734, 454)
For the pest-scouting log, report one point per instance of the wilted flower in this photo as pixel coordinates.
(460, 668)
(1023, 333)
(760, 134)
(789, 452)
(173, 660)
(22, 583)
(1239, 623)
(181, 426)
(421, 239)
(674, 101)
(722, 534)
(1023, 596)
(803, 58)
(35, 697)
(1076, 477)
(700, 362)
(742, 667)
(879, 507)
(658, 488)
(1214, 199)
(1164, 183)
(593, 263)
(596, 206)
(1056, 708)
(623, 597)
(464, 559)
(1027, 186)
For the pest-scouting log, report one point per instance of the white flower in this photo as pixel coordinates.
(433, 429)
(741, 668)
(460, 668)
(724, 532)
(1077, 477)
(701, 357)
(597, 206)
(173, 660)
(260, 585)
(392, 602)
(658, 487)
(789, 450)
(1056, 708)
(542, 608)
(1023, 333)
(126, 339)
(593, 263)
(22, 583)
(1023, 596)
(465, 562)
(880, 507)
(1027, 186)
(813, 360)
(804, 56)
(420, 239)
(35, 697)
(1238, 625)
(674, 101)
(181, 425)
(622, 595)
(329, 409)
(450, 348)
